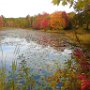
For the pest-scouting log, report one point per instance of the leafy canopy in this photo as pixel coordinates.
(76, 4)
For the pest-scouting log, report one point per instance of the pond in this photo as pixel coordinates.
(39, 49)
(44, 52)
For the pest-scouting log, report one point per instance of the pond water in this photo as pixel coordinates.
(43, 52)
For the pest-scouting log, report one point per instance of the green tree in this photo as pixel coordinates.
(77, 4)
(86, 15)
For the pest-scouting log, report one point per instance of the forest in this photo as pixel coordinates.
(59, 20)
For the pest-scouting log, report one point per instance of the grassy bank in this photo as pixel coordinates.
(82, 35)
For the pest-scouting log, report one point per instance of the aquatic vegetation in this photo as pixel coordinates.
(12, 77)
(71, 77)
(3, 77)
(75, 75)
(27, 65)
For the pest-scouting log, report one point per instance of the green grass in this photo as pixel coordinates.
(83, 36)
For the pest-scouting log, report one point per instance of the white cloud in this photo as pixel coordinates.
(21, 8)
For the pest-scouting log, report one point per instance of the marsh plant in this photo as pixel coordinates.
(24, 76)
(12, 77)
(74, 75)
(16, 78)
(3, 77)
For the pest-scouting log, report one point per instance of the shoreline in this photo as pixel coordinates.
(83, 36)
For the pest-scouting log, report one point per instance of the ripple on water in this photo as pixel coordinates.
(41, 59)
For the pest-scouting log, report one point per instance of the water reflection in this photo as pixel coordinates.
(36, 50)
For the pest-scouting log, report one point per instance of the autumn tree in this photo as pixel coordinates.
(45, 21)
(58, 20)
(41, 21)
(1, 21)
(36, 22)
(79, 6)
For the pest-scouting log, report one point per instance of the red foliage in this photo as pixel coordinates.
(85, 66)
(78, 53)
(85, 83)
(41, 21)
(82, 76)
(82, 59)
(57, 20)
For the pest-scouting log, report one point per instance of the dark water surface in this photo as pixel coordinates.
(42, 51)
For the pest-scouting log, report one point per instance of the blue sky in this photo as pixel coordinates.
(21, 8)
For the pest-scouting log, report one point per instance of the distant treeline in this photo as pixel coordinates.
(56, 21)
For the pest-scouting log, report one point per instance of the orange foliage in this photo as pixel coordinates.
(59, 20)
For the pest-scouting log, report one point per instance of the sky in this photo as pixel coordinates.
(22, 8)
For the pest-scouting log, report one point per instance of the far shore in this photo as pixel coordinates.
(83, 35)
